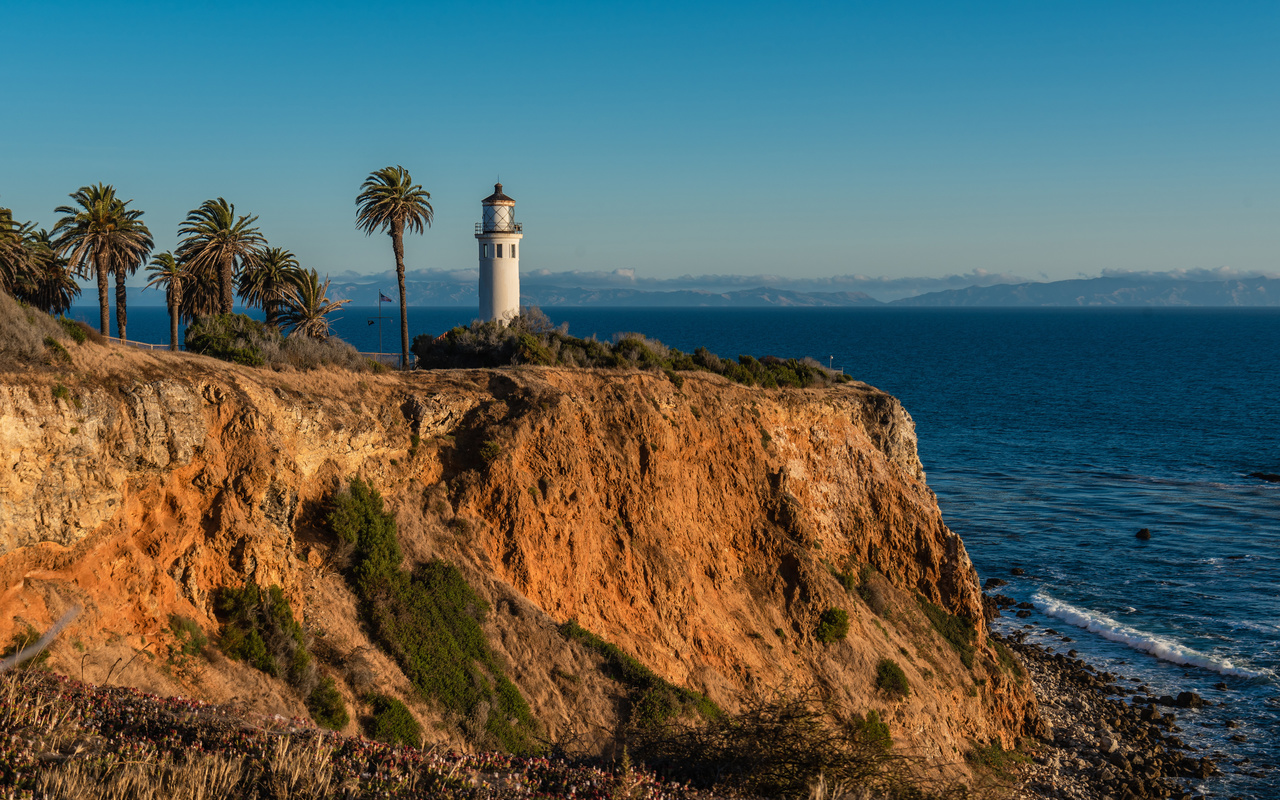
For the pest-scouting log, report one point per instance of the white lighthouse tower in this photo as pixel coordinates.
(499, 235)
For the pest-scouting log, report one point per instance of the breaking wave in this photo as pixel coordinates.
(1158, 646)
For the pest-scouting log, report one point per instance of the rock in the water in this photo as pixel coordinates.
(1017, 571)
(1023, 614)
(1269, 477)
(993, 583)
(1190, 700)
(1144, 534)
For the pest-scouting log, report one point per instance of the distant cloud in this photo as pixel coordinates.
(1202, 274)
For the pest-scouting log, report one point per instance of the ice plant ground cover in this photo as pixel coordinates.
(62, 738)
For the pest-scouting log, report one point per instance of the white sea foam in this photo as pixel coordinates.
(1158, 646)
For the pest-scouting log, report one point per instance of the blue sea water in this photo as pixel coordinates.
(1050, 437)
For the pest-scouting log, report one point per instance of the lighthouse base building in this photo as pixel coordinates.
(499, 237)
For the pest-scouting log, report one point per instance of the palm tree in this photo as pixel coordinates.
(49, 285)
(215, 241)
(170, 274)
(390, 201)
(307, 306)
(266, 279)
(102, 233)
(15, 255)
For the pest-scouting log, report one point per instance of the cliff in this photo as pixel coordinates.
(700, 527)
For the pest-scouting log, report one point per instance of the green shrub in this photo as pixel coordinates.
(393, 723)
(490, 450)
(429, 621)
(188, 633)
(56, 350)
(243, 340)
(956, 630)
(531, 339)
(61, 392)
(21, 640)
(833, 625)
(259, 628)
(994, 757)
(651, 698)
(872, 730)
(74, 329)
(1008, 661)
(231, 337)
(327, 707)
(891, 680)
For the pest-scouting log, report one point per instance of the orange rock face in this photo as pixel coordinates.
(699, 527)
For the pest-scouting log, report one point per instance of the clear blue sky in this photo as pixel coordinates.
(1035, 138)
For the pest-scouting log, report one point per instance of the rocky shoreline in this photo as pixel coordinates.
(1096, 745)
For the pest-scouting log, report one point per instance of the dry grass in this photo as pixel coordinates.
(24, 333)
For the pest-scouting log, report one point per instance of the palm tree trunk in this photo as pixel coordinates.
(104, 305)
(227, 280)
(173, 321)
(121, 314)
(397, 244)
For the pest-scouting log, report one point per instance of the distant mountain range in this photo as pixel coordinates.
(1137, 290)
(1110, 291)
(459, 289)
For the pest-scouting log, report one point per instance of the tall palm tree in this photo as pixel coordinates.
(219, 242)
(49, 284)
(15, 255)
(390, 201)
(307, 306)
(101, 233)
(170, 274)
(266, 279)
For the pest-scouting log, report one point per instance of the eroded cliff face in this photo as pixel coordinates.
(696, 526)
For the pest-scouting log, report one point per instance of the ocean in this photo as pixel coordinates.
(1051, 436)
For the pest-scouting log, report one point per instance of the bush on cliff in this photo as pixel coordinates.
(891, 680)
(243, 340)
(833, 625)
(259, 628)
(531, 339)
(429, 621)
(393, 723)
(959, 632)
(651, 699)
(327, 707)
(778, 745)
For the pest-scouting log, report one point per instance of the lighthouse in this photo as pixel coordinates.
(499, 237)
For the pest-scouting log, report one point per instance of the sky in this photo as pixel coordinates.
(1047, 140)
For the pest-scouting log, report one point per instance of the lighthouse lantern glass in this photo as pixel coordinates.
(499, 218)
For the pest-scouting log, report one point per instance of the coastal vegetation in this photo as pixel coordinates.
(958, 632)
(221, 254)
(531, 339)
(241, 339)
(651, 700)
(833, 625)
(429, 620)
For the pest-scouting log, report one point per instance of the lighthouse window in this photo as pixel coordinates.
(486, 251)
(513, 251)
(499, 251)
